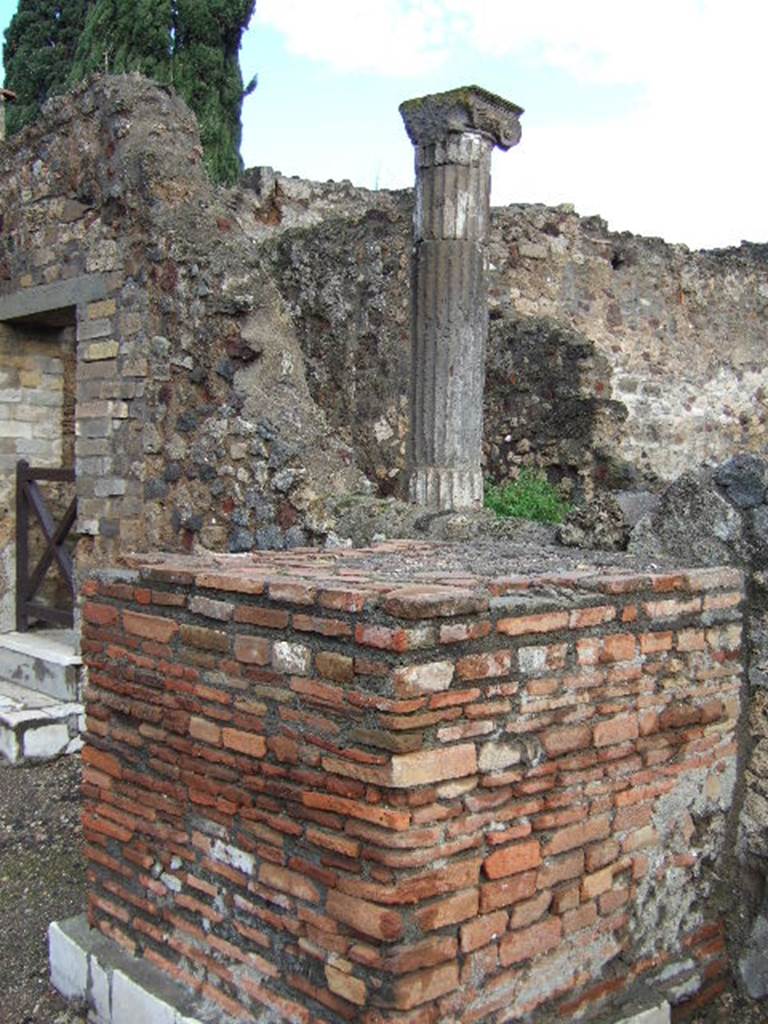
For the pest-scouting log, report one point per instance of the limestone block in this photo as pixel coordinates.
(68, 963)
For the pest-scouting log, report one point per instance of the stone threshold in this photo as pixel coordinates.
(36, 727)
(57, 646)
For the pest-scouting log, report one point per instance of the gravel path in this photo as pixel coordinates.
(42, 879)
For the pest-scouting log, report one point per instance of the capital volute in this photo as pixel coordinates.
(432, 119)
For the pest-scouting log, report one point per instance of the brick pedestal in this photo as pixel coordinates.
(316, 789)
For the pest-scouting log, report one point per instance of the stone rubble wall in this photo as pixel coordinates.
(243, 354)
(194, 421)
(612, 359)
(720, 516)
(326, 794)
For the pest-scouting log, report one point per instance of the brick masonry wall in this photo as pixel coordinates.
(338, 794)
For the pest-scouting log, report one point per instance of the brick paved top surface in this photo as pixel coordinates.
(414, 578)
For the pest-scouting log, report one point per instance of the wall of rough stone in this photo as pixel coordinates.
(194, 419)
(348, 793)
(720, 516)
(243, 353)
(612, 359)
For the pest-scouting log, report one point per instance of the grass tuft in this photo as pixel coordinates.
(531, 496)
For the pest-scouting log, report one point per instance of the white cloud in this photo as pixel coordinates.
(385, 37)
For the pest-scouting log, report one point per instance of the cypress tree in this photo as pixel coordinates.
(190, 44)
(40, 44)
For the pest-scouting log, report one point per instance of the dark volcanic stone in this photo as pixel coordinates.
(743, 479)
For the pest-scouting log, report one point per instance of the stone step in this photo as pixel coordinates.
(36, 727)
(45, 661)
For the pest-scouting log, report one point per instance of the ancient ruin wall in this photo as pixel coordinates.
(244, 353)
(338, 791)
(617, 358)
(194, 421)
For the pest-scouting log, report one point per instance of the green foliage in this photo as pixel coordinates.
(190, 44)
(531, 496)
(40, 44)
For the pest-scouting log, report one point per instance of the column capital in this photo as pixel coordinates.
(432, 119)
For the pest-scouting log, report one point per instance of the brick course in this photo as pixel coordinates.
(412, 814)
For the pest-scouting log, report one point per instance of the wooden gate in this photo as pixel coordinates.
(31, 501)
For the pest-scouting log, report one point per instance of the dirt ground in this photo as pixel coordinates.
(42, 879)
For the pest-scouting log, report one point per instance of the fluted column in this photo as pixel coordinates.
(454, 133)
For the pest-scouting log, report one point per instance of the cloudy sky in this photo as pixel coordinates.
(648, 112)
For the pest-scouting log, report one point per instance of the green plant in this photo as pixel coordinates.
(531, 496)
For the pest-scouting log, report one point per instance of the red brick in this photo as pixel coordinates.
(573, 836)
(597, 883)
(671, 608)
(334, 666)
(235, 582)
(483, 930)
(418, 955)
(525, 913)
(484, 666)
(583, 617)
(613, 900)
(427, 766)
(393, 819)
(459, 632)
(100, 614)
(547, 622)
(365, 917)
(530, 942)
(316, 624)
(292, 591)
(204, 730)
(584, 916)
(600, 854)
(616, 730)
(314, 690)
(244, 742)
(451, 910)
(253, 650)
(429, 602)
(381, 637)
(566, 738)
(343, 600)
(425, 986)
(679, 715)
(718, 602)
(512, 859)
(102, 761)
(431, 677)
(654, 643)
(151, 627)
(621, 647)
(204, 638)
(561, 869)
(353, 989)
(290, 882)
(270, 618)
(494, 895)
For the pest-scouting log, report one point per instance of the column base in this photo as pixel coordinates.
(446, 489)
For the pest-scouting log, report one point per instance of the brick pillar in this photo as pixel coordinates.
(453, 133)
